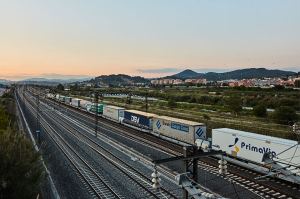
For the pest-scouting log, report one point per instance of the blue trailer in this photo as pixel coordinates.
(139, 119)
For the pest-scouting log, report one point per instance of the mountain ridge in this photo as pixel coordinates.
(247, 73)
(119, 79)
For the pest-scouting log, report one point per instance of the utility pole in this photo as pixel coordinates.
(96, 95)
(146, 101)
(190, 165)
(190, 159)
(129, 98)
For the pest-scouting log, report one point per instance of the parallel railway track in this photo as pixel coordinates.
(131, 173)
(98, 187)
(238, 175)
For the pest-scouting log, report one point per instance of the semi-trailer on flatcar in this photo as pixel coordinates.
(68, 100)
(113, 113)
(75, 102)
(243, 147)
(252, 147)
(95, 108)
(139, 119)
(179, 129)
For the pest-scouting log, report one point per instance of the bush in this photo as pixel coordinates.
(60, 87)
(206, 117)
(20, 165)
(172, 103)
(20, 168)
(260, 110)
(235, 104)
(285, 115)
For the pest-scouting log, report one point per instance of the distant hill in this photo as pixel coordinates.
(187, 74)
(46, 81)
(5, 82)
(120, 79)
(236, 74)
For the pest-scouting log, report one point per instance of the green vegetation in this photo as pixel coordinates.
(60, 87)
(260, 110)
(20, 166)
(216, 107)
(285, 115)
(172, 103)
(234, 104)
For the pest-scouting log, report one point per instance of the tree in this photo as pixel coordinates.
(278, 87)
(60, 87)
(235, 104)
(297, 83)
(20, 168)
(260, 110)
(206, 117)
(285, 115)
(172, 103)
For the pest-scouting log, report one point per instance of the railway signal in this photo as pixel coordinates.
(155, 179)
(222, 166)
(96, 95)
(296, 129)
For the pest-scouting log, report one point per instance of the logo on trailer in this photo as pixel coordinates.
(236, 148)
(135, 119)
(199, 132)
(158, 125)
(250, 147)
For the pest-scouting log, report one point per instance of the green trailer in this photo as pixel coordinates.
(93, 107)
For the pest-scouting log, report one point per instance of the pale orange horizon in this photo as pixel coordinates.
(146, 39)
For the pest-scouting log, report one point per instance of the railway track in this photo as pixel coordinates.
(131, 173)
(263, 190)
(96, 184)
(147, 139)
(136, 176)
(237, 175)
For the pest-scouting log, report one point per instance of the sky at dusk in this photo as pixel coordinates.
(74, 38)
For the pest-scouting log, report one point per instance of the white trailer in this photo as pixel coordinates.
(113, 113)
(251, 147)
(84, 104)
(68, 100)
(179, 129)
(75, 102)
(50, 95)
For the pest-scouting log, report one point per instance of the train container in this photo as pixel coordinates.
(68, 100)
(84, 103)
(62, 98)
(139, 119)
(93, 107)
(179, 129)
(50, 95)
(75, 102)
(252, 147)
(113, 113)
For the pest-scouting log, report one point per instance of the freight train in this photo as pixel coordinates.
(177, 130)
(240, 146)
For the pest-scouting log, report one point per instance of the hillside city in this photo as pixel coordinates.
(263, 83)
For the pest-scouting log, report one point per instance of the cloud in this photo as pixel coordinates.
(159, 70)
(23, 76)
(60, 76)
